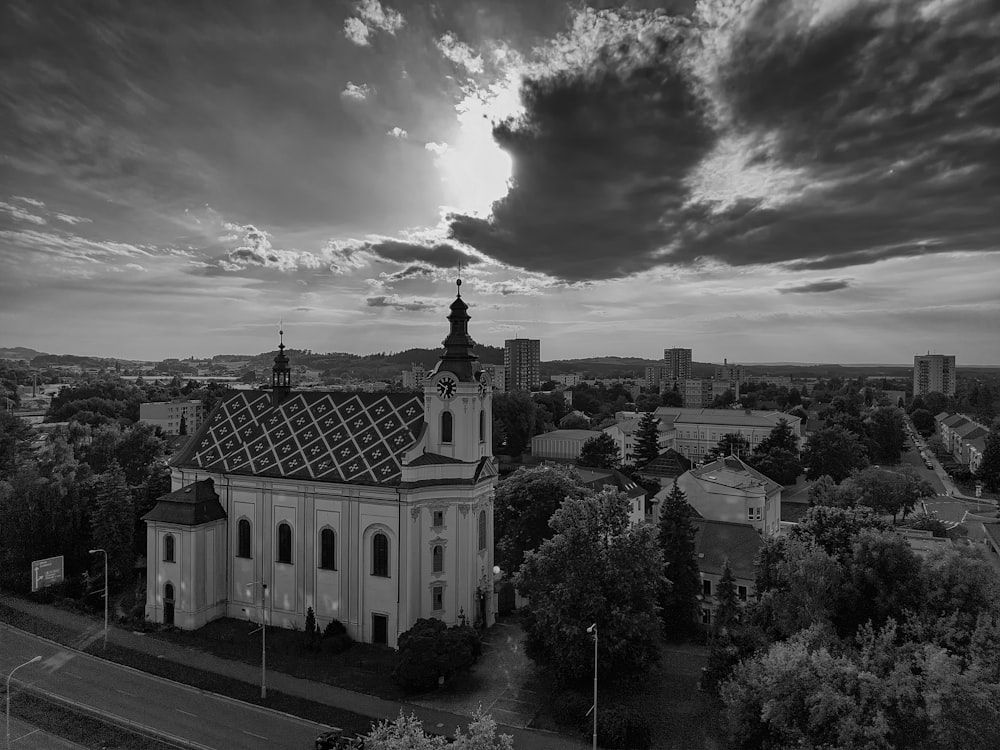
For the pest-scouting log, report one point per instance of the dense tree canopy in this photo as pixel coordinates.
(731, 444)
(647, 446)
(833, 451)
(600, 452)
(597, 568)
(885, 428)
(523, 504)
(989, 470)
(514, 417)
(407, 733)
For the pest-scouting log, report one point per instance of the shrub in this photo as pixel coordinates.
(469, 636)
(333, 628)
(430, 650)
(311, 637)
(622, 728)
(570, 708)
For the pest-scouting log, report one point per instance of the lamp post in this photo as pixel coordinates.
(263, 637)
(30, 661)
(593, 629)
(93, 551)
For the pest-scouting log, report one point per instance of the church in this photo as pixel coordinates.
(372, 509)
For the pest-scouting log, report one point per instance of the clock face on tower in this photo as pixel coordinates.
(446, 387)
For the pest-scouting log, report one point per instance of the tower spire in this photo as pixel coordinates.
(281, 373)
(458, 356)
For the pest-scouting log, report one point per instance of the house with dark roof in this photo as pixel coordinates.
(374, 509)
(729, 489)
(719, 542)
(598, 479)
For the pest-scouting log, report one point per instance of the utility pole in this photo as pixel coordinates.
(593, 629)
(93, 551)
(263, 637)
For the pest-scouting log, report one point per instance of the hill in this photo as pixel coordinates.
(19, 352)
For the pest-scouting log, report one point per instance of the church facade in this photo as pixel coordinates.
(372, 509)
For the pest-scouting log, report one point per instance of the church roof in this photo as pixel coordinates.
(357, 438)
(195, 504)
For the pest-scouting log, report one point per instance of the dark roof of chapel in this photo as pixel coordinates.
(192, 505)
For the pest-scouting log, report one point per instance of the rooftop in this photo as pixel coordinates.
(718, 541)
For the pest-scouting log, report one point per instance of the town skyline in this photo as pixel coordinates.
(763, 183)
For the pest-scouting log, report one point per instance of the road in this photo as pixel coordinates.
(178, 712)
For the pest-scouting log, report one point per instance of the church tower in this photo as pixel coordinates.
(458, 395)
(281, 373)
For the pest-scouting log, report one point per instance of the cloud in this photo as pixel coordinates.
(254, 249)
(72, 220)
(70, 247)
(813, 135)
(135, 267)
(437, 255)
(29, 201)
(459, 53)
(372, 16)
(356, 92)
(397, 132)
(401, 305)
(16, 212)
(827, 285)
(438, 149)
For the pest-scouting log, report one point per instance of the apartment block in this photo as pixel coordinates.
(521, 361)
(172, 416)
(677, 363)
(934, 373)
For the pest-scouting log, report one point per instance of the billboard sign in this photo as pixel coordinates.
(46, 572)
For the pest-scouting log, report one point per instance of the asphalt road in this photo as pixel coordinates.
(177, 712)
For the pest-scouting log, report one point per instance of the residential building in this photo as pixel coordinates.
(414, 377)
(665, 468)
(730, 490)
(964, 438)
(372, 509)
(715, 544)
(568, 380)
(174, 417)
(563, 445)
(497, 375)
(975, 450)
(701, 392)
(726, 371)
(934, 372)
(521, 361)
(697, 431)
(598, 479)
(778, 381)
(677, 363)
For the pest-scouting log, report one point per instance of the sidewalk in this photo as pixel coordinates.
(27, 737)
(436, 721)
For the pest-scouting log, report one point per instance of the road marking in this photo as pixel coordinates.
(260, 737)
(125, 692)
(186, 713)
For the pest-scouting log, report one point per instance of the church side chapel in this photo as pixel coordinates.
(373, 509)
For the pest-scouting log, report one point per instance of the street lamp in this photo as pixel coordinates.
(593, 629)
(30, 661)
(263, 638)
(93, 551)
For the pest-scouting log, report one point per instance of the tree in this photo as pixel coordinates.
(886, 435)
(522, 506)
(514, 416)
(574, 422)
(835, 452)
(727, 609)
(600, 452)
(935, 402)
(887, 491)
(724, 400)
(989, 469)
(780, 436)
(112, 520)
(597, 568)
(671, 398)
(923, 421)
(676, 536)
(647, 446)
(835, 529)
(15, 443)
(431, 650)
(407, 733)
(731, 444)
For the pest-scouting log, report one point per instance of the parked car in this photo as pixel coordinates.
(335, 739)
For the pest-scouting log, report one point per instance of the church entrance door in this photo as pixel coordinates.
(168, 604)
(380, 630)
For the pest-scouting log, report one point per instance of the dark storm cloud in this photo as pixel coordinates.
(438, 255)
(828, 285)
(401, 305)
(839, 134)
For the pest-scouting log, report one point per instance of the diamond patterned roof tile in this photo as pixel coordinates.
(334, 437)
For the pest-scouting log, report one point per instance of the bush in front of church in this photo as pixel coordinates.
(335, 637)
(431, 651)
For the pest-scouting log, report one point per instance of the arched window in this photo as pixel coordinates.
(284, 543)
(380, 555)
(447, 426)
(168, 548)
(438, 559)
(327, 550)
(482, 529)
(243, 538)
(482, 427)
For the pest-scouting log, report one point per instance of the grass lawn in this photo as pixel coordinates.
(680, 717)
(362, 668)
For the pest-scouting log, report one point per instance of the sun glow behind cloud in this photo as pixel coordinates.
(475, 171)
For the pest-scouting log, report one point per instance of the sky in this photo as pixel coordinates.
(756, 180)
